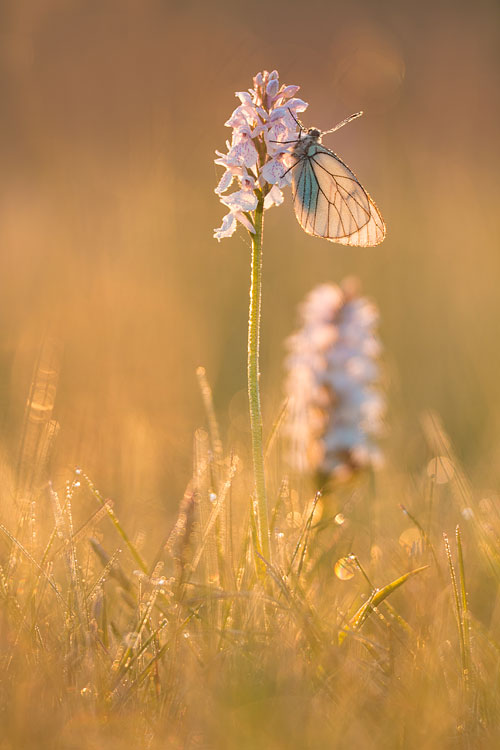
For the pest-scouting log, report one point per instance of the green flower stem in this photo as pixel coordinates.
(253, 379)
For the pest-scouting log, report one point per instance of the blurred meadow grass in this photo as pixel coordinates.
(111, 114)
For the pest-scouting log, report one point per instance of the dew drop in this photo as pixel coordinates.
(316, 510)
(411, 541)
(345, 568)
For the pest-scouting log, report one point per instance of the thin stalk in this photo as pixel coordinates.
(458, 610)
(253, 379)
(116, 523)
(464, 610)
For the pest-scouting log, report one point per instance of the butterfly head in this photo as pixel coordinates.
(314, 133)
(307, 140)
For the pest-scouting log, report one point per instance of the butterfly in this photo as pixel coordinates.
(328, 199)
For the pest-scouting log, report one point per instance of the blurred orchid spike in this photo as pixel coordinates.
(258, 157)
(336, 407)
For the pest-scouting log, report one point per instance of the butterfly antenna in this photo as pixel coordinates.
(301, 127)
(344, 122)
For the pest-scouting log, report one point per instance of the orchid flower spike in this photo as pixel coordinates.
(336, 406)
(257, 156)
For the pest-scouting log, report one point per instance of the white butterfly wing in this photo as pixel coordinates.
(330, 202)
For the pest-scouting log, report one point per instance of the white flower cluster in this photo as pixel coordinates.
(335, 406)
(254, 158)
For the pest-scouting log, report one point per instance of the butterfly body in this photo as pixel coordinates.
(306, 146)
(329, 200)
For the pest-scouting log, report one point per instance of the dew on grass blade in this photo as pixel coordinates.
(131, 639)
(345, 568)
(314, 507)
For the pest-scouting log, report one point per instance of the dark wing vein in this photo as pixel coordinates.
(340, 188)
(314, 198)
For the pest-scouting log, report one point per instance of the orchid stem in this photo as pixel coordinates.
(253, 380)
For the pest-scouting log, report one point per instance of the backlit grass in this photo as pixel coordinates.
(110, 642)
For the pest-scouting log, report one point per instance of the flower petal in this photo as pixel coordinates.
(289, 91)
(246, 223)
(244, 97)
(272, 88)
(274, 170)
(243, 116)
(273, 198)
(227, 228)
(241, 200)
(242, 150)
(298, 105)
(225, 182)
